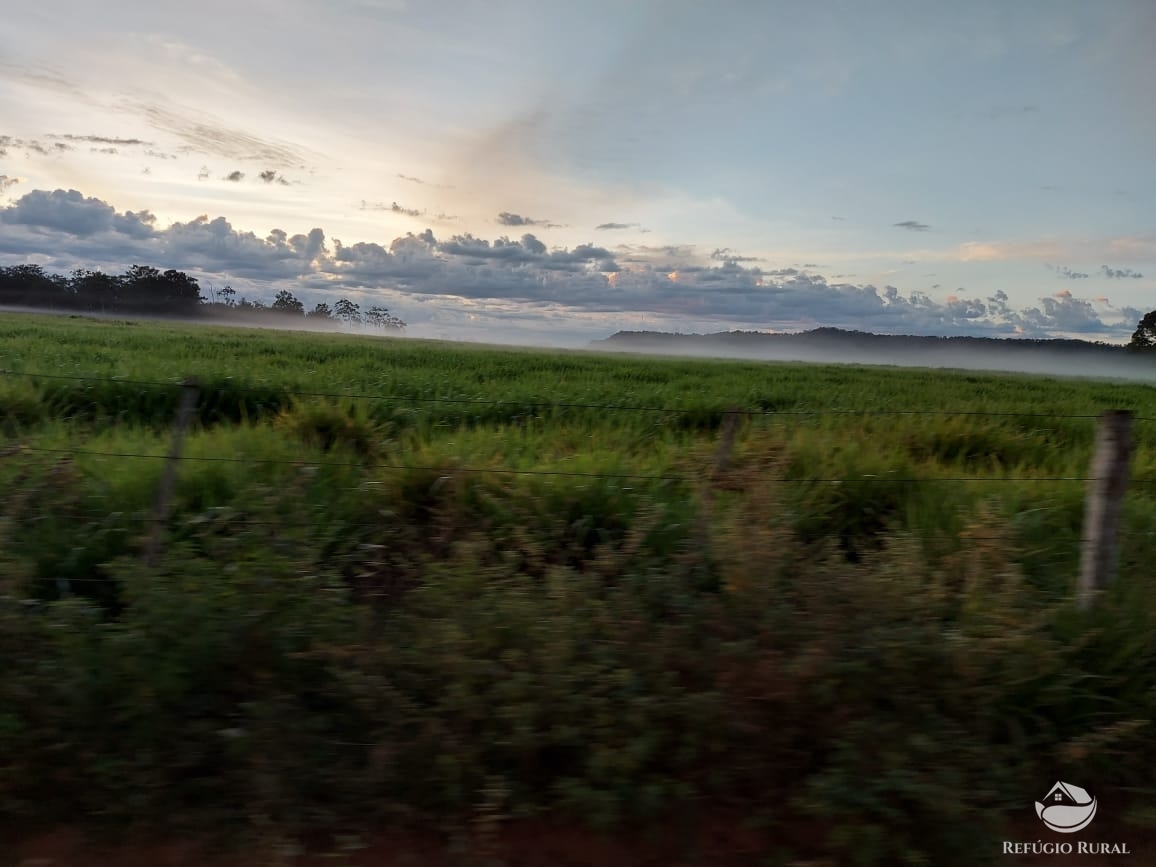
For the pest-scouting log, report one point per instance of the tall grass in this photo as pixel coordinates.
(382, 608)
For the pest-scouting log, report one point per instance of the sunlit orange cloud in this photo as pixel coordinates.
(672, 276)
(977, 251)
(1140, 248)
(612, 278)
(951, 299)
(1064, 293)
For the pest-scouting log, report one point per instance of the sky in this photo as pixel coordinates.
(561, 171)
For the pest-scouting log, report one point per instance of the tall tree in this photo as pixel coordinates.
(380, 317)
(285, 302)
(321, 311)
(95, 290)
(1144, 337)
(347, 311)
(31, 286)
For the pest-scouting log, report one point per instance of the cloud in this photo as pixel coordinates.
(7, 182)
(33, 146)
(71, 213)
(912, 225)
(726, 254)
(393, 207)
(1120, 274)
(1129, 248)
(203, 174)
(269, 176)
(103, 140)
(235, 176)
(507, 219)
(605, 227)
(416, 273)
(412, 180)
(1067, 273)
(206, 135)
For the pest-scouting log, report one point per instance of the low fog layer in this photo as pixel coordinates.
(1067, 358)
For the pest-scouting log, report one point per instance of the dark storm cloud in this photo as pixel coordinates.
(912, 225)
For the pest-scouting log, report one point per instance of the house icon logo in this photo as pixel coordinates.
(1066, 808)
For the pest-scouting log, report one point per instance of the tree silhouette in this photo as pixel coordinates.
(147, 290)
(380, 317)
(285, 302)
(1144, 338)
(347, 311)
(30, 286)
(94, 290)
(321, 311)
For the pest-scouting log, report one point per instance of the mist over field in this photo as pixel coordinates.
(1068, 358)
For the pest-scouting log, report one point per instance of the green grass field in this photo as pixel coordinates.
(412, 579)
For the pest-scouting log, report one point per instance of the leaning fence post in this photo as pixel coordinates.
(185, 409)
(1099, 552)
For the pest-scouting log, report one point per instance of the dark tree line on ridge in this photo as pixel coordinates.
(149, 291)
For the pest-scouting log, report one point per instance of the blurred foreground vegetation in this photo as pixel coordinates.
(858, 620)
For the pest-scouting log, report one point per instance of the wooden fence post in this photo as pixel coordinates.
(730, 427)
(185, 409)
(1099, 552)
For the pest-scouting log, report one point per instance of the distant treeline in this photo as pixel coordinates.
(143, 290)
(837, 338)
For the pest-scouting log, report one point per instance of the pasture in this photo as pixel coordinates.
(417, 582)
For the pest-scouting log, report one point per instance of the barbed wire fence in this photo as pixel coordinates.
(1106, 481)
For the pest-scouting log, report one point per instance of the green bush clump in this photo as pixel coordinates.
(903, 702)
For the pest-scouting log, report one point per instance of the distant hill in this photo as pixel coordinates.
(835, 345)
